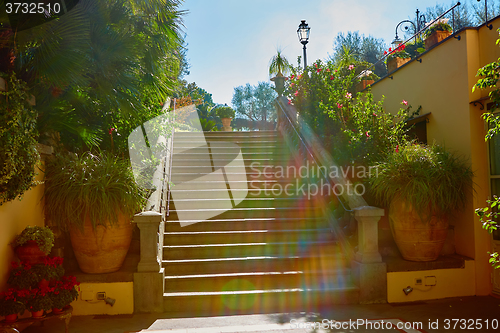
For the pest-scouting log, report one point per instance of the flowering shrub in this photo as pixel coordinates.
(38, 299)
(64, 292)
(25, 275)
(439, 25)
(12, 301)
(354, 128)
(399, 52)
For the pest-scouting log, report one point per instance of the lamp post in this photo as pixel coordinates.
(420, 23)
(303, 33)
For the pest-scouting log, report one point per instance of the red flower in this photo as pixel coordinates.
(397, 149)
(385, 52)
(367, 135)
(111, 130)
(332, 77)
(296, 93)
(318, 70)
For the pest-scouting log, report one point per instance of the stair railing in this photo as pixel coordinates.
(149, 278)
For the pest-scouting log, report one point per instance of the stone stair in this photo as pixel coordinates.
(271, 252)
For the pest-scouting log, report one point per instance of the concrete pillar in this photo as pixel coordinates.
(369, 272)
(149, 279)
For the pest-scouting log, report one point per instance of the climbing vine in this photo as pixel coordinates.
(18, 139)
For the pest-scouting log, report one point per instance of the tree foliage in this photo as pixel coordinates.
(255, 103)
(103, 65)
(354, 47)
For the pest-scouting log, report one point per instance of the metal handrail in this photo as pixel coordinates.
(406, 41)
(170, 164)
(310, 153)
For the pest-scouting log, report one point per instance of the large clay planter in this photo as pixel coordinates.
(30, 252)
(436, 37)
(11, 318)
(102, 250)
(363, 84)
(395, 63)
(420, 236)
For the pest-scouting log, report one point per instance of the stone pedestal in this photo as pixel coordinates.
(150, 276)
(369, 272)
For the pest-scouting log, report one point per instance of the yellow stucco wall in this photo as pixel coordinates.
(122, 292)
(449, 283)
(14, 217)
(442, 84)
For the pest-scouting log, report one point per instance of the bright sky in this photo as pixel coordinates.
(230, 42)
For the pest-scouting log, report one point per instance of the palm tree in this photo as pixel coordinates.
(102, 63)
(279, 64)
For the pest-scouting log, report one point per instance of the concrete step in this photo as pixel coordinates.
(257, 280)
(273, 223)
(246, 236)
(268, 201)
(230, 249)
(312, 260)
(241, 213)
(258, 301)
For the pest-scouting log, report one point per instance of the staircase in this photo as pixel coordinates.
(272, 252)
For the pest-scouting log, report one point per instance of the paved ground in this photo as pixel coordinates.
(480, 314)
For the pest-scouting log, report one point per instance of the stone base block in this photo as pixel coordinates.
(148, 291)
(372, 281)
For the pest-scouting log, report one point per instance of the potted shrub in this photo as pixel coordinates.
(93, 197)
(226, 114)
(421, 185)
(367, 78)
(437, 32)
(63, 293)
(25, 275)
(34, 244)
(397, 58)
(38, 301)
(12, 303)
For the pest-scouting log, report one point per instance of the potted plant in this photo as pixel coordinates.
(94, 197)
(38, 301)
(226, 114)
(367, 78)
(63, 293)
(34, 244)
(421, 185)
(437, 32)
(12, 303)
(397, 58)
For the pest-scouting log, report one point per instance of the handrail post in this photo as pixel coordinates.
(369, 272)
(150, 276)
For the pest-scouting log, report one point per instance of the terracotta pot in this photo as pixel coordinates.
(30, 252)
(11, 318)
(102, 250)
(363, 84)
(435, 38)
(37, 314)
(395, 63)
(420, 236)
(57, 311)
(226, 122)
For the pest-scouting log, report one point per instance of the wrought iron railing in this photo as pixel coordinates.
(417, 33)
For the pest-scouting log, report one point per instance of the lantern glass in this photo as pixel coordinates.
(303, 32)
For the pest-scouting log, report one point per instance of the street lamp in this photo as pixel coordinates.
(420, 23)
(303, 33)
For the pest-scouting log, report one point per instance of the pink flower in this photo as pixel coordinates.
(374, 114)
(332, 77)
(318, 70)
(296, 93)
(111, 130)
(367, 135)
(348, 95)
(339, 105)
(292, 77)
(351, 67)
(289, 102)
(397, 149)
(405, 102)
(328, 69)
(292, 84)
